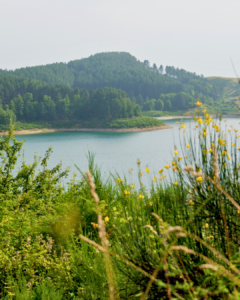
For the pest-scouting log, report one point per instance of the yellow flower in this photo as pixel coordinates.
(212, 145)
(174, 163)
(205, 134)
(198, 103)
(164, 176)
(199, 179)
(224, 152)
(200, 121)
(204, 110)
(160, 171)
(176, 152)
(179, 158)
(141, 174)
(154, 179)
(114, 208)
(235, 130)
(167, 167)
(150, 203)
(161, 178)
(138, 162)
(176, 183)
(119, 180)
(196, 126)
(239, 149)
(126, 192)
(141, 196)
(183, 125)
(224, 165)
(233, 145)
(206, 225)
(94, 225)
(188, 145)
(177, 122)
(147, 170)
(133, 186)
(239, 122)
(222, 142)
(191, 202)
(106, 219)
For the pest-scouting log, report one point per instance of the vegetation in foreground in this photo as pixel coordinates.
(111, 240)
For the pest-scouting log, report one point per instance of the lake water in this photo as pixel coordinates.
(113, 151)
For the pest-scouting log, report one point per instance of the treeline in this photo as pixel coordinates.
(28, 100)
(123, 71)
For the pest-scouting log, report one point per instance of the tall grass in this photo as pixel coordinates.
(110, 240)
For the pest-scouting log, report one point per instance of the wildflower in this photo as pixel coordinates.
(229, 130)
(150, 204)
(239, 210)
(224, 152)
(233, 145)
(238, 149)
(164, 176)
(235, 130)
(141, 174)
(204, 110)
(212, 145)
(119, 180)
(224, 165)
(138, 161)
(106, 219)
(154, 179)
(161, 178)
(222, 142)
(199, 179)
(177, 122)
(147, 170)
(174, 163)
(183, 125)
(198, 103)
(141, 196)
(205, 134)
(175, 183)
(160, 171)
(114, 208)
(94, 225)
(126, 192)
(188, 145)
(191, 202)
(206, 225)
(179, 158)
(196, 126)
(133, 186)
(175, 152)
(200, 121)
(210, 150)
(228, 156)
(167, 167)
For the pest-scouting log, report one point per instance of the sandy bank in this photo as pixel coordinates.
(45, 130)
(173, 117)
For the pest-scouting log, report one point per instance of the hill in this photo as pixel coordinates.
(123, 71)
(153, 88)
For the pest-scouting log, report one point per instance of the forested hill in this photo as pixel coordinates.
(123, 71)
(35, 101)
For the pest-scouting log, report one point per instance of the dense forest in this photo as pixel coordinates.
(29, 101)
(123, 71)
(106, 86)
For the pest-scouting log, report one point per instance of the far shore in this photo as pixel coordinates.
(46, 130)
(173, 117)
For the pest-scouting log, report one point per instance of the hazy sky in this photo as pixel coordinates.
(199, 36)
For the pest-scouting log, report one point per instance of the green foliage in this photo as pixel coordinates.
(183, 231)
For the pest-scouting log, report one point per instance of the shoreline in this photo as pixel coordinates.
(173, 117)
(46, 130)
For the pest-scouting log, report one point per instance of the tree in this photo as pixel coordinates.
(161, 69)
(159, 104)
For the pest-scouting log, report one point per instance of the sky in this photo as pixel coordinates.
(198, 36)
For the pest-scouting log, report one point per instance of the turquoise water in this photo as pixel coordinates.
(113, 151)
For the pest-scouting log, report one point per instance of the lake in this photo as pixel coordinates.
(114, 151)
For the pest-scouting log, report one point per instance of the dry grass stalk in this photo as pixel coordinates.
(151, 228)
(182, 248)
(113, 289)
(208, 266)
